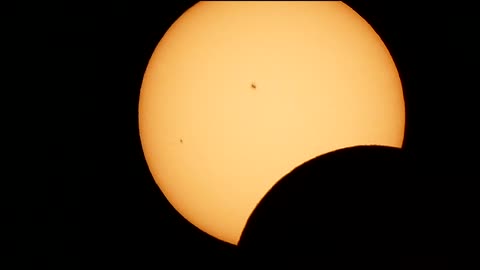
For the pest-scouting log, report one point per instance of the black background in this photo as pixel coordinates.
(108, 210)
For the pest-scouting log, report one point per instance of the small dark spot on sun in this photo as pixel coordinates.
(253, 85)
(181, 141)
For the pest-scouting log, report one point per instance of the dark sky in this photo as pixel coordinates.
(114, 211)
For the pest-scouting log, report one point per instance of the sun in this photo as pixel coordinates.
(238, 94)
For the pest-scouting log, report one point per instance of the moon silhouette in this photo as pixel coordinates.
(353, 207)
(238, 94)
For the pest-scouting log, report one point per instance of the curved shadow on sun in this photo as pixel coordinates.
(357, 203)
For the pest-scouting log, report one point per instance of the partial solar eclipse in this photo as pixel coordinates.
(238, 94)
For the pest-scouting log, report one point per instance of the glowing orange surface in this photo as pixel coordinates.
(237, 94)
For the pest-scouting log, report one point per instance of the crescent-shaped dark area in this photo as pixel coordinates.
(366, 206)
